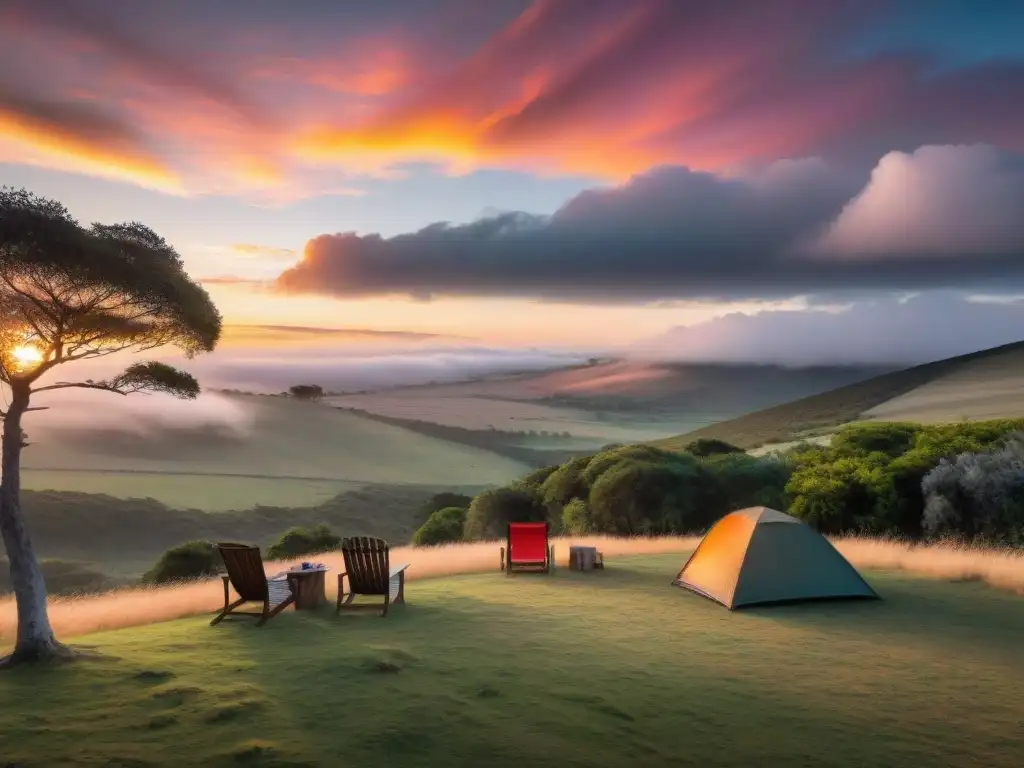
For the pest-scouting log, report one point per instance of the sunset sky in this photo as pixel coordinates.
(562, 173)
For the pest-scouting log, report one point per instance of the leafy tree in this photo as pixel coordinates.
(70, 293)
(191, 560)
(710, 446)
(443, 527)
(492, 511)
(647, 497)
(741, 480)
(299, 540)
(535, 479)
(312, 392)
(565, 484)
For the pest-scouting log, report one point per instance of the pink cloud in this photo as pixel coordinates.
(230, 99)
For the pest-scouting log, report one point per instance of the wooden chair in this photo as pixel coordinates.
(527, 549)
(369, 571)
(246, 575)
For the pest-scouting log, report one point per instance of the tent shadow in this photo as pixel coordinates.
(970, 615)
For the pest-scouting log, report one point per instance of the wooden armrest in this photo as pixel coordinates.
(225, 577)
(396, 569)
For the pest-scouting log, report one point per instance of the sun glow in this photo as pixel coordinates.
(27, 356)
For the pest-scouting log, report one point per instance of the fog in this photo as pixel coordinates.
(265, 371)
(888, 330)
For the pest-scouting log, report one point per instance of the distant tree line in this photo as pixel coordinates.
(964, 481)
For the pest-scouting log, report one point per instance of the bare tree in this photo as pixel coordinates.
(70, 293)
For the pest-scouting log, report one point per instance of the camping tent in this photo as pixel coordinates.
(759, 555)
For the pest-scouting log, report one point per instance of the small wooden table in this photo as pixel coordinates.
(584, 558)
(309, 587)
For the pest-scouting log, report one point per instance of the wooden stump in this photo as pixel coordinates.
(582, 558)
(310, 589)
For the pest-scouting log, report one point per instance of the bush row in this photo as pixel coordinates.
(961, 480)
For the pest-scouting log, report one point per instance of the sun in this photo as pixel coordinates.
(27, 356)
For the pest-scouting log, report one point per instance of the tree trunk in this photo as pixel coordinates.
(35, 640)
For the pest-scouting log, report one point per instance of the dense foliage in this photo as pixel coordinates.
(978, 495)
(299, 540)
(964, 480)
(191, 560)
(870, 479)
(710, 446)
(442, 527)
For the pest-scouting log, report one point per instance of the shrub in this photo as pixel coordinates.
(576, 518)
(442, 527)
(191, 560)
(492, 511)
(445, 500)
(891, 438)
(299, 541)
(710, 446)
(977, 495)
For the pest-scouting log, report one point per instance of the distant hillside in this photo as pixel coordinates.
(982, 384)
(123, 537)
(274, 440)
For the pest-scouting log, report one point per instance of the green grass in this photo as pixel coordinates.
(613, 668)
(819, 413)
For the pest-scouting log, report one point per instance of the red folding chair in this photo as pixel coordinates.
(527, 549)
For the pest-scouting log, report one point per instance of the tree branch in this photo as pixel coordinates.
(81, 385)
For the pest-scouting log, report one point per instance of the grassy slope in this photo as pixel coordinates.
(289, 440)
(828, 409)
(613, 668)
(985, 388)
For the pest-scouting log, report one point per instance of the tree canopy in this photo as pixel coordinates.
(72, 293)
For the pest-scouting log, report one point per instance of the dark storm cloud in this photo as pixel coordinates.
(941, 217)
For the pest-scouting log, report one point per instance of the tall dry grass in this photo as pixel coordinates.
(1001, 568)
(136, 606)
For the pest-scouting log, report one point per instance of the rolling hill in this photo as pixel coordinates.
(613, 401)
(286, 453)
(980, 385)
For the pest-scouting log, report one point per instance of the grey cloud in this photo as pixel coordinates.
(672, 233)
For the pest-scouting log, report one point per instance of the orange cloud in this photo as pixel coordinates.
(251, 249)
(63, 136)
(251, 101)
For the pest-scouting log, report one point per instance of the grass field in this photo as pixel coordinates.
(612, 668)
(286, 453)
(968, 386)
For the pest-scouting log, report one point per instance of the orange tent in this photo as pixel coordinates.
(760, 555)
